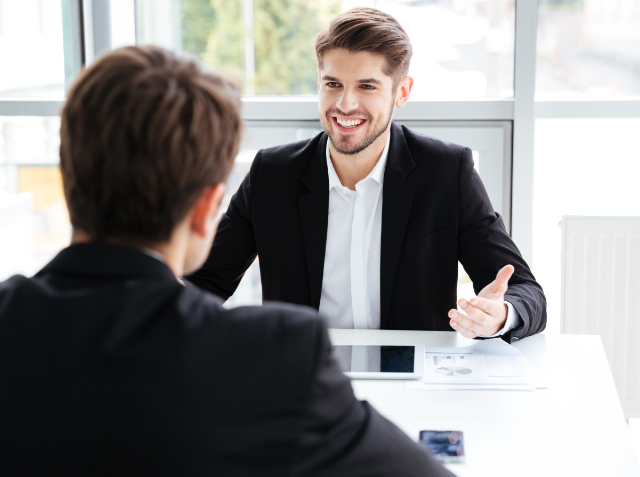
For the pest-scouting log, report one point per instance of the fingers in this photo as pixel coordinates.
(479, 317)
(491, 307)
(485, 313)
(468, 326)
(458, 327)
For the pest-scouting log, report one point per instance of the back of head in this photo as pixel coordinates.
(370, 30)
(143, 133)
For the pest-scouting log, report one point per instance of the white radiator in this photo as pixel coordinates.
(17, 243)
(600, 293)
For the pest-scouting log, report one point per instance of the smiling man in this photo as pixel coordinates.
(367, 221)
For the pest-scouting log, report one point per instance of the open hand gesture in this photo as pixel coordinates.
(485, 314)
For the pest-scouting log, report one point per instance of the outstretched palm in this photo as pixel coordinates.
(485, 314)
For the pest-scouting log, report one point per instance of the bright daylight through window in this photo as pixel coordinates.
(34, 223)
(462, 48)
(31, 49)
(583, 166)
(577, 177)
(588, 48)
(463, 51)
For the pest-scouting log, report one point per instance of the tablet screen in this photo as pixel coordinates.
(374, 359)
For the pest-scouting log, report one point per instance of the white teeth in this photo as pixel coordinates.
(349, 124)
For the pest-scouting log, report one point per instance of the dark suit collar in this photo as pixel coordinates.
(398, 195)
(399, 160)
(317, 174)
(314, 217)
(100, 259)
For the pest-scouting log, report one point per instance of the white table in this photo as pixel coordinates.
(573, 428)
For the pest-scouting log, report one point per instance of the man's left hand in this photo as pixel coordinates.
(485, 314)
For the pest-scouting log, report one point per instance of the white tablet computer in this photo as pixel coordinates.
(380, 362)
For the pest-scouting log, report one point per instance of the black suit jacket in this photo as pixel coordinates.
(108, 366)
(435, 212)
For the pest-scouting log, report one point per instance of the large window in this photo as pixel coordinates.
(583, 167)
(31, 48)
(488, 73)
(588, 48)
(462, 48)
(34, 223)
(40, 55)
(588, 115)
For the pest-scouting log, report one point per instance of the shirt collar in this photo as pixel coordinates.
(377, 173)
(154, 253)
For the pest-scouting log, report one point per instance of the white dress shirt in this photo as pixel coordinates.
(350, 296)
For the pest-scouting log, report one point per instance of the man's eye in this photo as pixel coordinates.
(333, 85)
(368, 86)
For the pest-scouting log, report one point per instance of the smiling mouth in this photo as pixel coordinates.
(348, 124)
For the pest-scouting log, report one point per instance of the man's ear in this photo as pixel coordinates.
(205, 210)
(404, 90)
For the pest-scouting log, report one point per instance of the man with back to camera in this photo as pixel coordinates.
(329, 237)
(109, 366)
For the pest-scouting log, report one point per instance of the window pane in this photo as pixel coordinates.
(34, 224)
(462, 48)
(582, 167)
(588, 48)
(31, 48)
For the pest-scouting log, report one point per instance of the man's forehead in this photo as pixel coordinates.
(342, 65)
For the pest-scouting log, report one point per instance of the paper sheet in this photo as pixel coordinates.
(490, 364)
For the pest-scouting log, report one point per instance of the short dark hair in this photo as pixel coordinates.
(370, 30)
(143, 133)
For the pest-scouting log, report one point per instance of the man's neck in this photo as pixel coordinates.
(173, 255)
(351, 169)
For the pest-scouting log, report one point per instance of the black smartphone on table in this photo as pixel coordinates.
(446, 446)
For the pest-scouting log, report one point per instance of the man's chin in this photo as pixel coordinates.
(348, 151)
(350, 146)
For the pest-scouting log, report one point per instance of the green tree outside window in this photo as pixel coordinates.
(283, 33)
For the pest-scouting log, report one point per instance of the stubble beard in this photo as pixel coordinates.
(344, 146)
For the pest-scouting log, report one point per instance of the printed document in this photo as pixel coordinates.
(490, 364)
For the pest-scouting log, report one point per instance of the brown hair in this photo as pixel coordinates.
(370, 30)
(143, 133)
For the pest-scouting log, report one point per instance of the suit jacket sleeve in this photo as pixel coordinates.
(340, 435)
(234, 247)
(484, 247)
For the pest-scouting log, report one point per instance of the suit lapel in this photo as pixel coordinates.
(396, 206)
(314, 217)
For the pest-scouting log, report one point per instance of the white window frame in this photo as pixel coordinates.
(522, 110)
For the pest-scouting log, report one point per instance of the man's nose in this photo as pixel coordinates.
(348, 101)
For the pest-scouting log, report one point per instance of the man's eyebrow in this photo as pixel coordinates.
(362, 81)
(370, 80)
